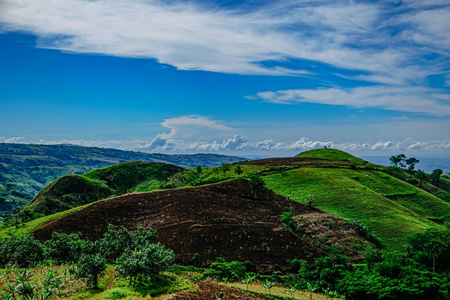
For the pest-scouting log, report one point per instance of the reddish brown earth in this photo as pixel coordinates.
(221, 220)
(211, 290)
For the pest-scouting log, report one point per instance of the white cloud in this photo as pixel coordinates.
(241, 145)
(186, 126)
(13, 140)
(344, 34)
(400, 98)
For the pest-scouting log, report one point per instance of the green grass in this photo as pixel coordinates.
(332, 154)
(74, 190)
(35, 224)
(109, 285)
(392, 209)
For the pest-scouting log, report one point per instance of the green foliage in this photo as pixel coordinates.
(398, 160)
(116, 241)
(431, 249)
(199, 169)
(22, 250)
(435, 177)
(90, 267)
(140, 264)
(220, 269)
(288, 221)
(67, 248)
(238, 170)
(411, 163)
(255, 183)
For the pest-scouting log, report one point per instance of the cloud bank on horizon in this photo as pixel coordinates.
(173, 143)
(392, 56)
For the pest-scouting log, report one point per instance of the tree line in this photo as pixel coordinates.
(135, 254)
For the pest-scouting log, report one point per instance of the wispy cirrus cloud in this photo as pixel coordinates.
(400, 98)
(386, 43)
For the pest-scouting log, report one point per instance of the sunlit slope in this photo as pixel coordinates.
(391, 208)
(74, 190)
(332, 154)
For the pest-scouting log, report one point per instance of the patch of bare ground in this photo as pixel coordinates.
(212, 290)
(301, 162)
(220, 220)
(325, 230)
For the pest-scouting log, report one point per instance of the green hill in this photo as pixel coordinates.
(74, 190)
(26, 169)
(391, 208)
(333, 154)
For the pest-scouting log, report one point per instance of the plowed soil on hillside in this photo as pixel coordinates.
(221, 220)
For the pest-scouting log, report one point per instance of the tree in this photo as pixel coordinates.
(140, 264)
(421, 175)
(255, 183)
(432, 249)
(90, 266)
(63, 248)
(398, 160)
(21, 250)
(238, 170)
(411, 163)
(199, 169)
(114, 242)
(225, 168)
(435, 177)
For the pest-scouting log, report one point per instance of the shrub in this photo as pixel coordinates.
(255, 183)
(21, 250)
(140, 264)
(63, 248)
(221, 269)
(90, 266)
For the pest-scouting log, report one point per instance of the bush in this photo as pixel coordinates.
(220, 269)
(21, 250)
(116, 241)
(66, 248)
(90, 266)
(140, 264)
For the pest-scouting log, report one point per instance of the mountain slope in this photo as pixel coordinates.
(220, 220)
(26, 169)
(391, 208)
(75, 190)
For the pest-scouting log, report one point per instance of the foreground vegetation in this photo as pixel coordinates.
(67, 266)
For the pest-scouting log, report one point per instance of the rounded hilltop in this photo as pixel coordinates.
(332, 154)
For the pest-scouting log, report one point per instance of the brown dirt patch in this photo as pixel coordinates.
(301, 162)
(211, 290)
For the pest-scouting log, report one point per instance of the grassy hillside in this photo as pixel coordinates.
(333, 154)
(27, 169)
(391, 208)
(74, 190)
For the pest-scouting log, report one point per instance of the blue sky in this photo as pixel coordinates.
(247, 77)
